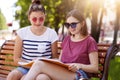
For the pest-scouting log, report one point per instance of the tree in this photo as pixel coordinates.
(91, 9)
(22, 13)
(2, 21)
(96, 26)
(55, 10)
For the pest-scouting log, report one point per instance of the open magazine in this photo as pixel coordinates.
(25, 63)
(54, 61)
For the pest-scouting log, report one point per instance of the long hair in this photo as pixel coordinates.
(79, 16)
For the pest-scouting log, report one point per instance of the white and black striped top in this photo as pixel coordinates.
(36, 46)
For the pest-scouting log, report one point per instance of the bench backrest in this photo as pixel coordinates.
(106, 52)
(6, 58)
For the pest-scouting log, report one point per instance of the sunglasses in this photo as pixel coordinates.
(72, 25)
(37, 7)
(35, 19)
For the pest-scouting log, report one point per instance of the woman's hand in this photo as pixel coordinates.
(74, 67)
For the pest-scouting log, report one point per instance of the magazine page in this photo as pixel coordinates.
(55, 61)
(25, 63)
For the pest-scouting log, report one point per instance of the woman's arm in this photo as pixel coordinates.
(54, 50)
(17, 49)
(92, 67)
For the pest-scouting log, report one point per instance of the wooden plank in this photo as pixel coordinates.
(4, 72)
(9, 42)
(7, 51)
(100, 68)
(103, 44)
(6, 67)
(102, 54)
(7, 62)
(102, 48)
(101, 60)
(8, 47)
(3, 77)
(7, 57)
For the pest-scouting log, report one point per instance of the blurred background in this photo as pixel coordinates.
(102, 17)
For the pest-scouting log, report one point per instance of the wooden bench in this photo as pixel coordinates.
(106, 52)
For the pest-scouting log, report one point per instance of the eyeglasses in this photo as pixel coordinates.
(34, 19)
(72, 25)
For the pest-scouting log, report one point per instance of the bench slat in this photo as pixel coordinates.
(102, 54)
(2, 77)
(8, 47)
(5, 72)
(8, 57)
(7, 64)
(101, 61)
(6, 67)
(7, 51)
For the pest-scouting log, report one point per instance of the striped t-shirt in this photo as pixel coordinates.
(36, 46)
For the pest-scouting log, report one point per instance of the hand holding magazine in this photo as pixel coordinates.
(25, 63)
(53, 61)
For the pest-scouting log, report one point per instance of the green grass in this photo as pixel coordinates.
(114, 69)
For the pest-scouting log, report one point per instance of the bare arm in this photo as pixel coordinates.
(60, 55)
(54, 50)
(17, 49)
(92, 67)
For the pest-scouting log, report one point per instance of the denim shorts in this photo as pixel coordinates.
(80, 74)
(23, 70)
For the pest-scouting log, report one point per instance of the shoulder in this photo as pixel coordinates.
(23, 31)
(66, 39)
(24, 28)
(91, 41)
(51, 31)
(90, 38)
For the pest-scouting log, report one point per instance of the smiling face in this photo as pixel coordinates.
(74, 25)
(37, 18)
(76, 18)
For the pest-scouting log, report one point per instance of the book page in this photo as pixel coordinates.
(25, 63)
(54, 61)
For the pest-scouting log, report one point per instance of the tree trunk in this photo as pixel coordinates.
(117, 24)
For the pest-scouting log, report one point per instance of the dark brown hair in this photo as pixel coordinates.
(36, 6)
(79, 16)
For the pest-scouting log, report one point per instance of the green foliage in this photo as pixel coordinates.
(2, 21)
(55, 12)
(22, 14)
(114, 71)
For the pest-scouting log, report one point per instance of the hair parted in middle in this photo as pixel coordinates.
(79, 16)
(36, 6)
